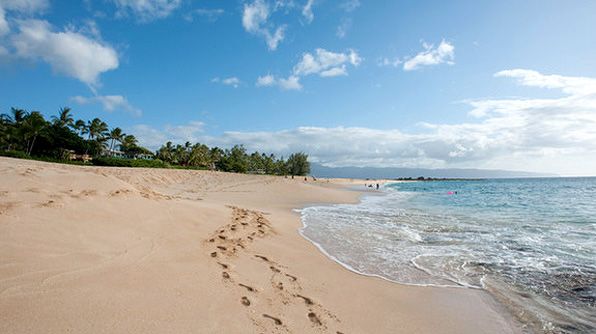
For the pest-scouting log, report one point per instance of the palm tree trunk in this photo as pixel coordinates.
(31, 147)
(112, 148)
(88, 140)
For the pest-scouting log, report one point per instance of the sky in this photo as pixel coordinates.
(436, 84)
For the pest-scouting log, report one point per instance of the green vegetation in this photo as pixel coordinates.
(119, 162)
(28, 135)
(236, 159)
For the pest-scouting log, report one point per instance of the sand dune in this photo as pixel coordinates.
(116, 250)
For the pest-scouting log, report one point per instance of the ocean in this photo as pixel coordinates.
(531, 243)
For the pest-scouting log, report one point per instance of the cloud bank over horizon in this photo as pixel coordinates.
(520, 134)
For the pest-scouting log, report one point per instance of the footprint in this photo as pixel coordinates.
(262, 258)
(275, 270)
(314, 319)
(293, 278)
(223, 265)
(249, 288)
(307, 300)
(222, 248)
(276, 320)
(214, 254)
(245, 301)
(225, 275)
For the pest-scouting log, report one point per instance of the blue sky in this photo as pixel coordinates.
(502, 84)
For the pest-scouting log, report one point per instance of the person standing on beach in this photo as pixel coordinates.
(377, 186)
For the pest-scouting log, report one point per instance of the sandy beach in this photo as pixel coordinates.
(119, 250)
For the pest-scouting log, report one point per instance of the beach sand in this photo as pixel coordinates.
(118, 250)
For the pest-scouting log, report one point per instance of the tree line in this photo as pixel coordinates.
(29, 134)
(235, 159)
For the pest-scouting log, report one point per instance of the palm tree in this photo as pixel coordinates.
(33, 124)
(115, 135)
(18, 115)
(127, 143)
(96, 129)
(13, 126)
(166, 152)
(7, 131)
(64, 118)
(80, 126)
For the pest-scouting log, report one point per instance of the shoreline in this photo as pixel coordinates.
(354, 270)
(129, 250)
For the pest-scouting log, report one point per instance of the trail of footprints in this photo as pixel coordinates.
(234, 238)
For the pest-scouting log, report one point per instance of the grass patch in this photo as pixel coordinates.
(119, 162)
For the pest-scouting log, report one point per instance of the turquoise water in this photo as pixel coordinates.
(529, 242)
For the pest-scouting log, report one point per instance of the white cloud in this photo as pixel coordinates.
(324, 61)
(4, 28)
(255, 15)
(274, 40)
(307, 11)
(334, 72)
(444, 53)
(265, 81)
(177, 134)
(231, 81)
(25, 6)
(343, 27)
(109, 103)
(254, 20)
(555, 135)
(20, 6)
(146, 10)
(396, 62)
(68, 52)
(210, 15)
(569, 85)
(350, 5)
(290, 83)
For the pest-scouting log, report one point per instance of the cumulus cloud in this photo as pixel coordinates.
(68, 52)
(290, 83)
(569, 85)
(326, 63)
(19, 6)
(109, 103)
(307, 11)
(231, 81)
(209, 14)
(265, 80)
(255, 18)
(25, 6)
(323, 63)
(146, 10)
(444, 53)
(556, 135)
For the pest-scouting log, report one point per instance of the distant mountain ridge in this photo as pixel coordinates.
(319, 170)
